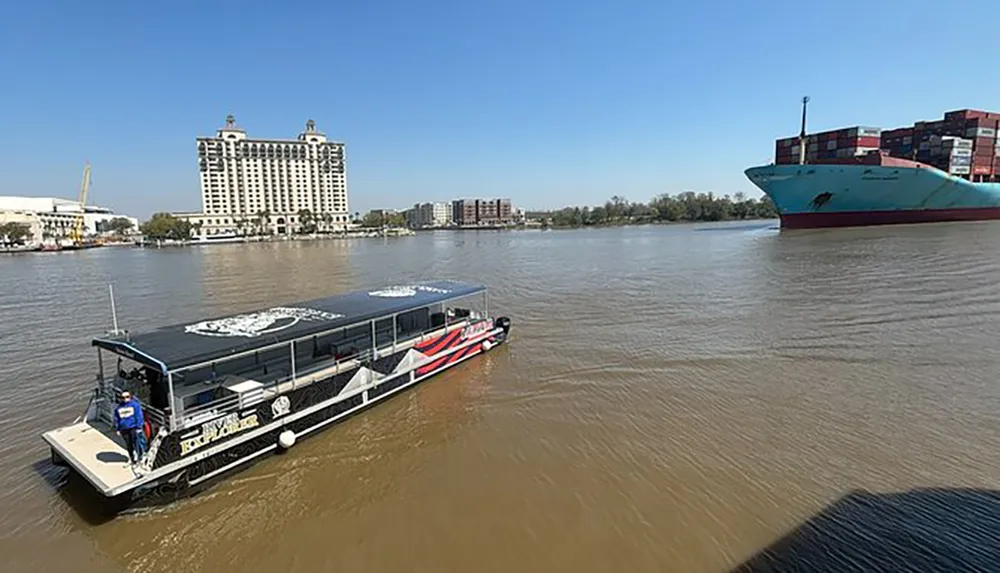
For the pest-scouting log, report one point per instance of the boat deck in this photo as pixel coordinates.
(95, 451)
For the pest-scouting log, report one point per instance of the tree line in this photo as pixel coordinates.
(168, 226)
(683, 207)
(18, 233)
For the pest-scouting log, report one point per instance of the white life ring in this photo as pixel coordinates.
(487, 345)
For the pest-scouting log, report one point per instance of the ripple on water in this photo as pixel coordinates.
(670, 400)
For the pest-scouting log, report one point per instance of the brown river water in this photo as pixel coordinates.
(683, 398)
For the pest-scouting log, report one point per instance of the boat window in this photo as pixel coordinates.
(263, 366)
(132, 376)
(413, 322)
(384, 334)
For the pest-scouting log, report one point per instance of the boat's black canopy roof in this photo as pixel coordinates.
(181, 345)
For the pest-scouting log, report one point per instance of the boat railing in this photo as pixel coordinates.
(199, 413)
(203, 412)
(107, 395)
(188, 416)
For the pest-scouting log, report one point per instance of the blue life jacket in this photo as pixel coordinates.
(128, 415)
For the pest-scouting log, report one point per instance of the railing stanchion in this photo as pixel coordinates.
(293, 364)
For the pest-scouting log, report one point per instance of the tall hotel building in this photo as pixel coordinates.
(255, 186)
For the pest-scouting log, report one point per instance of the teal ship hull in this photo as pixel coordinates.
(833, 195)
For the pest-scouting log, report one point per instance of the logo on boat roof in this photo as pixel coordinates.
(254, 324)
(404, 291)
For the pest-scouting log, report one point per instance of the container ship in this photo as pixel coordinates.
(932, 171)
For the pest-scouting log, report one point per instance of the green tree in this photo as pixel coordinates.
(307, 223)
(14, 233)
(166, 226)
(117, 225)
(373, 219)
(395, 220)
(261, 222)
(666, 208)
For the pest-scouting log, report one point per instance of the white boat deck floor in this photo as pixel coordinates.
(96, 452)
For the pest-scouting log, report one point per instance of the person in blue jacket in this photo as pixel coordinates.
(129, 422)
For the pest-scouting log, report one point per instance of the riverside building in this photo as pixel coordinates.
(264, 186)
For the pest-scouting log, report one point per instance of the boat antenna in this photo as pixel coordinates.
(802, 134)
(114, 313)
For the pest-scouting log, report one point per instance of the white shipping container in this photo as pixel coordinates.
(960, 170)
(961, 153)
(980, 132)
(858, 151)
(865, 132)
(957, 143)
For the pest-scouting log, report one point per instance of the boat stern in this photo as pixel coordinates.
(97, 453)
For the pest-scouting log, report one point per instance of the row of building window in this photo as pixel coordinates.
(272, 152)
(273, 219)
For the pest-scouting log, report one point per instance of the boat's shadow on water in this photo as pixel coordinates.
(921, 530)
(89, 505)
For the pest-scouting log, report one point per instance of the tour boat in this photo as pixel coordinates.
(219, 393)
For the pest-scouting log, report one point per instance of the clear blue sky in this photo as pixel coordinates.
(549, 103)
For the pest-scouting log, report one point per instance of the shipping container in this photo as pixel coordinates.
(956, 142)
(982, 170)
(959, 170)
(981, 122)
(862, 131)
(978, 132)
(961, 152)
(965, 114)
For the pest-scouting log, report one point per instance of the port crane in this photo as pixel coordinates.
(78, 223)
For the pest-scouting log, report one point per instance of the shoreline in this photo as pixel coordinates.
(394, 233)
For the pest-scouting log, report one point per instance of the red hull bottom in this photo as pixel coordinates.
(866, 218)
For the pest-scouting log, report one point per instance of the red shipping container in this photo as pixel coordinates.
(982, 169)
(845, 142)
(981, 122)
(965, 114)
